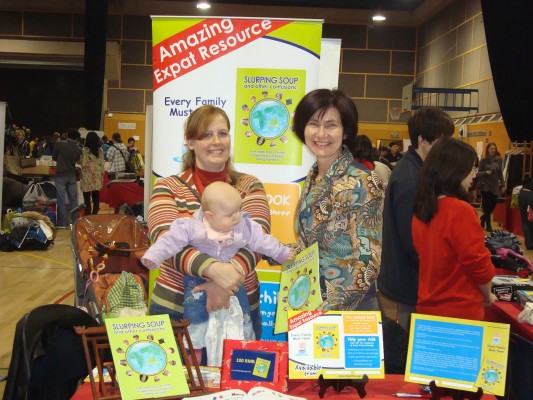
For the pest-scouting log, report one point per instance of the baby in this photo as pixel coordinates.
(219, 229)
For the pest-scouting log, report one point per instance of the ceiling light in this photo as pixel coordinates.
(378, 17)
(203, 5)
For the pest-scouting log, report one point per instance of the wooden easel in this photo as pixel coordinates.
(438, 392)
(339, 384)
(97, 350)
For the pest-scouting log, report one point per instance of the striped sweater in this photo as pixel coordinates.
(176, 197)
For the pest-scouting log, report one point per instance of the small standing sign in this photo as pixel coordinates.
(146, 357)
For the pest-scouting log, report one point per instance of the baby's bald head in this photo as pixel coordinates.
(220, 196)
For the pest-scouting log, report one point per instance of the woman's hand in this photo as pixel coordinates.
(226, 275)
(216, 297)
(491, 299)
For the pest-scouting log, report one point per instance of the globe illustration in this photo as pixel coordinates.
(326, 342)
(146, 358)
(299, 292)
(491, 376)
(269, 118)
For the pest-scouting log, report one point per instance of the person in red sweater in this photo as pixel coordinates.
(455, 266)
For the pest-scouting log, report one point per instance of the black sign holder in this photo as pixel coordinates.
(439, 392)
(339, 384)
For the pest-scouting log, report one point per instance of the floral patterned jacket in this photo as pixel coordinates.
(343, 213)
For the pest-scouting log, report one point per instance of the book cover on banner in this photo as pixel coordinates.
(146, 357)
(266, 100)
(335, 344)
(250, 363)
(299, 287)
(458, 353)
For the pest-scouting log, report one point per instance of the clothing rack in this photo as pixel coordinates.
(527, 161)
(523, 172)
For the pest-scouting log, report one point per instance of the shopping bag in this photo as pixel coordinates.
(137, 162)
(35, 198)
(12, 164)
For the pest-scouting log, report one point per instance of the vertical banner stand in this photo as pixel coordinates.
(439, 392)
(339, 384)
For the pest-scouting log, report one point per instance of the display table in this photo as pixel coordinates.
(103, 191)
(512, 221)
(507, 312)
(120, 192)
(377, 389)
(40, 171)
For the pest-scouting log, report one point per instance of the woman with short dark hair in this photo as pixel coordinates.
(341, 204)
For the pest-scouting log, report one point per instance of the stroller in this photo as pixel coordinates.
(104, 246)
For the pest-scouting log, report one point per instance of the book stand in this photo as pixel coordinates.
(456, 394)
(339, 384)
(97, 350)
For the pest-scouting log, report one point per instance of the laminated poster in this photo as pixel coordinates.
(146, 357)
(299, 287)
(458, 353)
(335, 344)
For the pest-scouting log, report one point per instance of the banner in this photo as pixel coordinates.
(3, 107)
(256, 70)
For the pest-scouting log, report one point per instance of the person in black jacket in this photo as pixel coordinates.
(398, 277)
(525, 199)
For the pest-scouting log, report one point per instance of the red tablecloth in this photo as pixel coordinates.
(119, 193)
(507, 312)
(511, 218)
(377, 389)
(103, 192)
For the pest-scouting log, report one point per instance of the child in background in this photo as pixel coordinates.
(218, 229)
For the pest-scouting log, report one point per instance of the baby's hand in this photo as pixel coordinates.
(292, 254)
(148, 263)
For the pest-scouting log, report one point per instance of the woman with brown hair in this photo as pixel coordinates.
(456, 270)
(489, 183)
(207, 134)
(92, 172)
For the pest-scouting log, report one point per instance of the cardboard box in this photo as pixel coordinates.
(524, 296)
(506, 286)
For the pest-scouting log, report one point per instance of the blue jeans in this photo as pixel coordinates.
(65, 183)
(255, 315)
(194, 309)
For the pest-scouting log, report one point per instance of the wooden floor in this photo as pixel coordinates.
(29, 279)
